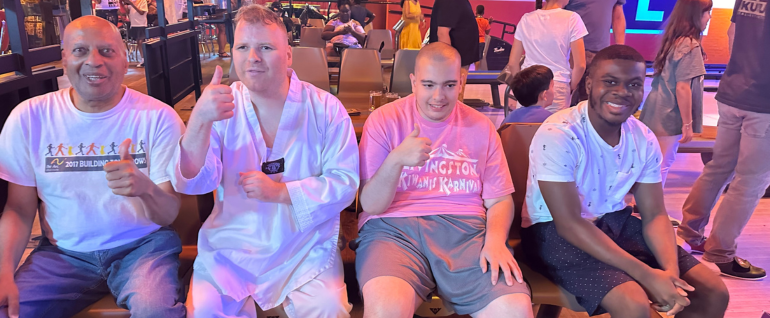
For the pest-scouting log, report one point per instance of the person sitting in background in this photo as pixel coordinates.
(549, 35)
(533, 88)
(96, 155)
(577, 226)
(436, 218)
(484, 28)
(287, 22)
(343, 30)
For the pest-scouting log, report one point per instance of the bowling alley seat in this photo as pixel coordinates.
(516, 139)
(187, 224)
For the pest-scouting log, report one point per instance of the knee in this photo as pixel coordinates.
(716, 298)
(156, 305)
(331, 304)
(631, 307)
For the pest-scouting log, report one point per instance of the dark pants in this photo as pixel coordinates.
(142, 275)
(586, 277)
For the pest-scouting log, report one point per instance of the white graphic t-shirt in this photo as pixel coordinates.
(49, 144)
(566, 148)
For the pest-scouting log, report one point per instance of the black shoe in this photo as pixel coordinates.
(741, 269)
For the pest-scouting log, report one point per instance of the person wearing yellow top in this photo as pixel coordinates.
(411, 37)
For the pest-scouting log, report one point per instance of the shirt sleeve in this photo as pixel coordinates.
(554, 154)
(358, 28)
(374, 147)
(320, 198)
(577, 28)
(735, 10)
(691, 63)
(620, 2)
(170, 128)
(651, 170)
(519, 34)
(210, 175)
(448, 18)
(16, 163)
(487, 24)
(369, 14)
(496, 181)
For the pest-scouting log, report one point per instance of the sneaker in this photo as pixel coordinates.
(741, 269)
(140, 64)
(696, 249)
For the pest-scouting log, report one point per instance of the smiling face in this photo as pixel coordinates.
(94, 59)
(261, 56)
(615, 91)
(436, 85)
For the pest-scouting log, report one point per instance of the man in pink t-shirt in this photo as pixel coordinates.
(436, 195)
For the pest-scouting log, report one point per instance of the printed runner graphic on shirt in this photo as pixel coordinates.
(447, 171)
(81, 157)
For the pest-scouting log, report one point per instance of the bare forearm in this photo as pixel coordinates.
(15, 229)
(359, 37)
(160, 206)
(577, 75)
(378, 192)
(730, 37)
(194, 148)
(684, 101)
(443, 35)
(587, 237)
(660, 239)
(619, 25)
(499, 219)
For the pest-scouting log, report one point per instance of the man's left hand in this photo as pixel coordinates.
(499, 257)
(124, 177)
(258, 185)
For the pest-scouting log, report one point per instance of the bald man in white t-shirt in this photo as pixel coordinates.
(95, 154)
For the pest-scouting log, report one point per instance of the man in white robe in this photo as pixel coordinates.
(282, 157)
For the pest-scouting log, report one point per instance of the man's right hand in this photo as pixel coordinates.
(9, 295)
(413, 151)
(665, 288)
(216, 102)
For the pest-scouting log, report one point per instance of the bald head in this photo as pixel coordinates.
(94, 60)
(91, 26)
(439, 52)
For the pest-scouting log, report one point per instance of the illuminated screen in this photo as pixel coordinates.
(648, 16)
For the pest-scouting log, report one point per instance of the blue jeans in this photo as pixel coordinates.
(142, 275)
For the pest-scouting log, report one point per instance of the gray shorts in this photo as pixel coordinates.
(437, 252)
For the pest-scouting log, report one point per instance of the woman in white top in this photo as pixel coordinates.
(547, 36)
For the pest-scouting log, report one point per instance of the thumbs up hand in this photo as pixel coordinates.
(124, 177)
(216, 102)
(413, 150)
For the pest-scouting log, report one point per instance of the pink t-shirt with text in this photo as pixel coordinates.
(467, 163)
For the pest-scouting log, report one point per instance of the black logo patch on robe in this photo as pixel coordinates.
(273, 167)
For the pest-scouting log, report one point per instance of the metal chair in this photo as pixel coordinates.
(516, 138)
(377, 38)
(311, 37)
(403, 65)
(360, 73)
(316, 23)
(310, 65)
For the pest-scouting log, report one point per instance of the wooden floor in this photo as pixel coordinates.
(748, 298)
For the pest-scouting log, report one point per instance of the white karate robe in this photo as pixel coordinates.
(266, 250)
